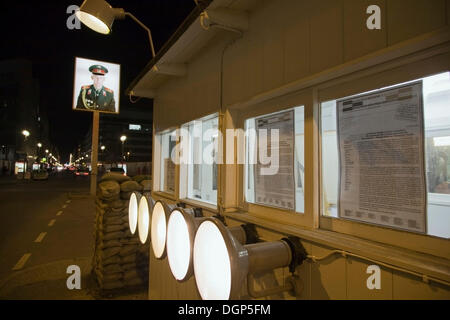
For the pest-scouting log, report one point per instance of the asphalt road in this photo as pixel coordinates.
(39, 224)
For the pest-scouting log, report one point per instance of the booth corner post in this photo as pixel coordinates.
(94, 155)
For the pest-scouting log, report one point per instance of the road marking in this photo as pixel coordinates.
(40, 237)
(19, 265)
(64, 206)
(68, 201)
(52, 222)
(59, 213)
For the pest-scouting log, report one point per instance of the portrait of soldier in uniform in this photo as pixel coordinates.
(96, 96)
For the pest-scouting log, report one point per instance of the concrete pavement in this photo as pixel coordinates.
(45, 227)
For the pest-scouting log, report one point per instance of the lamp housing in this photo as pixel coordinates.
(221, 263)
(143, 221)
(158, 230)
(133, 210)
(99, 15)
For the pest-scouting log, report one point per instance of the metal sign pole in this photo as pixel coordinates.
(94, 154)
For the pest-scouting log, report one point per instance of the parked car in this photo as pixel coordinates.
(81, 172)
(40, 175)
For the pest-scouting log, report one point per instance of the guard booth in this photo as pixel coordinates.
(359, 98)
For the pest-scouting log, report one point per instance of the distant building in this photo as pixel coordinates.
(20, 110)
(134, 122)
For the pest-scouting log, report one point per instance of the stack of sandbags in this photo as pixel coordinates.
(145, 181)
(120, 260)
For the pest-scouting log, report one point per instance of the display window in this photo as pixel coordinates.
(166, 159)
(400, 165)
(274, 160)
(199, 143)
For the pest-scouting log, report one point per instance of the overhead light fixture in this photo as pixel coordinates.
(181, 230)
(133, 207)
(221, 263)
(146, 204)
(99, 16)
(26, 133)
(160, 217)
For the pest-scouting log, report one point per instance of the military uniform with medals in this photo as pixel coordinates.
(92, 99)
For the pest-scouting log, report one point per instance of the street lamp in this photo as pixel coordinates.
(46, 150)
(39, 145)
(99, 16)
(103, 148)
(26, 133)
(123, 138)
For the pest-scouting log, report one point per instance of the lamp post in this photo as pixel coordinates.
(99, 16)
(123, 138)
(26, 134)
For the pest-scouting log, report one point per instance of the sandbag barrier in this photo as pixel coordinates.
(120, 260)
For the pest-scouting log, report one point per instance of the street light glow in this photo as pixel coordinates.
(123, 138)
(26, 133)
(39, 144)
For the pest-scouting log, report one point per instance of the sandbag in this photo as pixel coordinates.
(106, 253)
(128, 259)
(117, 205)
(130, 274)
(112, 228)
(125, 195)
(113, 235)
(127, 250)
(108, 190)
(111, 260)
(141, 177)
(112, 268)
(112, 277)
(129, 186)
(146, 185)
(111, 243)
(113, 285)
(114, 176)
(112, 220)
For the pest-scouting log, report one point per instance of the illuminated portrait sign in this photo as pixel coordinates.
(96, 86)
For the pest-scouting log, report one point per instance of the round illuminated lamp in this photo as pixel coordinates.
(181, 230)
(143, 221)
(221, 263)
(98, 15)
(160, 216)
(133, 208)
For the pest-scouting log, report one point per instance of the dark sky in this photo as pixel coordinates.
(36, 30)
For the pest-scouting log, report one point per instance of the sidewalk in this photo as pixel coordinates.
(11, 179)
(48, 281)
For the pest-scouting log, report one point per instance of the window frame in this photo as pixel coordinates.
(290, 217)
(376, 77)
(157, 167)
(183, 183)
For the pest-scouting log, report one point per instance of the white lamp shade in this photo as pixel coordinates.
(220, 262)
(143, 219)
(133, 207)
(97, 15)
(179, 245)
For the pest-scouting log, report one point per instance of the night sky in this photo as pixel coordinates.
(37, 31)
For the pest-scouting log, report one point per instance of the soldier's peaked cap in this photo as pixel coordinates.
(98, 69)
